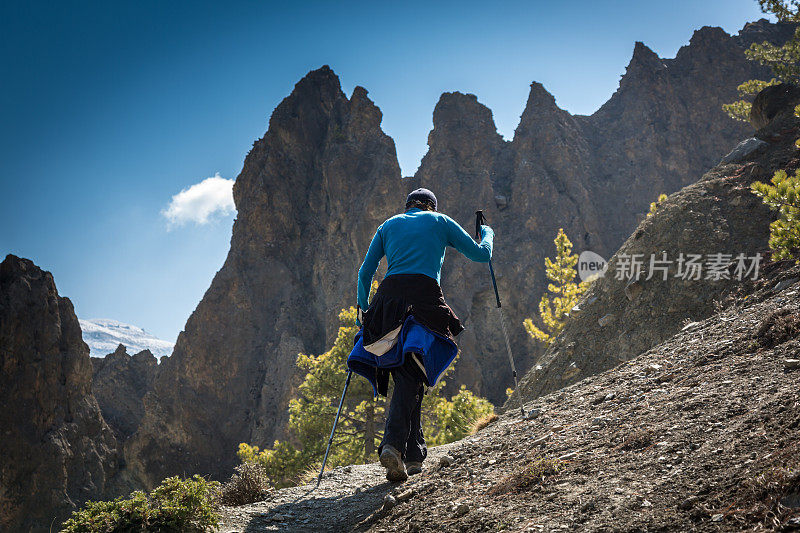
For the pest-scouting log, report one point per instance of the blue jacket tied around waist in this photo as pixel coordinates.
(437, 353)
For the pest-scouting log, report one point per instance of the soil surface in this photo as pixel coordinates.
(700, 433)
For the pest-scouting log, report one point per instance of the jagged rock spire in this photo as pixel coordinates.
(309, 198)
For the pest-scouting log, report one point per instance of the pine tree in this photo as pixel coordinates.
(450, 420)
(360, 426)
(784, 60)
(564, 291)
(783, 196)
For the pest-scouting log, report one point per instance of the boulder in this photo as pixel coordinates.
(771, 101)
(742, 150)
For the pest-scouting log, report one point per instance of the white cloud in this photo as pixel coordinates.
(200, 202)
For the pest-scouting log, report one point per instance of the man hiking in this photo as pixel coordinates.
(408, 329)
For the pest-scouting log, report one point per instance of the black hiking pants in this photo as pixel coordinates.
(403, 428)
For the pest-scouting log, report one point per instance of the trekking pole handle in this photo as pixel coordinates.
(480, 219)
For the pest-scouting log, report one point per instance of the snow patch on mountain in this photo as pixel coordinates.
(103, 335)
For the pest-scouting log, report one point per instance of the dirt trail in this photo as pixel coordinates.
(701, 433)
(346, 498)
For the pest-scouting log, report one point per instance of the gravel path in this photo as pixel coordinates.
(346, 497)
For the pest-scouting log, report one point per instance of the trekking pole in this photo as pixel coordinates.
(479, 221)
(335, 421)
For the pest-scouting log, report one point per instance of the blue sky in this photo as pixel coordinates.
(109, 109)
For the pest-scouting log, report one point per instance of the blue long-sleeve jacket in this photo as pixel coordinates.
(414, 242)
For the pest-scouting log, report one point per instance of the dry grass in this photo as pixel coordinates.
(311, 473)
(636, 440)
(537, 472)
(247, 485)
(482, 422)
(779, 327)
(771, 497)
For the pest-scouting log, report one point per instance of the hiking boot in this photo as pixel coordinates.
(413, 468)
(392, 461)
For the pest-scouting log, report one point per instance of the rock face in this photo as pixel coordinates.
(119, 383)
(300, 236)
(541, 175)
(592, 175)
(621, 317)
(55, 451)
(309, 198)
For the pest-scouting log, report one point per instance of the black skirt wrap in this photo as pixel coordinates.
(402, 295)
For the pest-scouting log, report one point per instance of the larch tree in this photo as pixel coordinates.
(563, 292)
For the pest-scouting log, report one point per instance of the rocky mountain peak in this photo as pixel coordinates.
(296, 245)
(541, 114)
(644, 57)
(539, 97)
(321, 85)
(459, 115)
(145, 356)
(121, 351)
(56, 450)
(708, 48)
(463, 147)
(119, 384)
(644, 67)
(360, 93)
(764, 30)
(708, 38)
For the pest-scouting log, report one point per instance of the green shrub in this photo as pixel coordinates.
(564, 291)
(175, 505)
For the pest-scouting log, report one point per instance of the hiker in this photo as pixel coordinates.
(409, 331)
